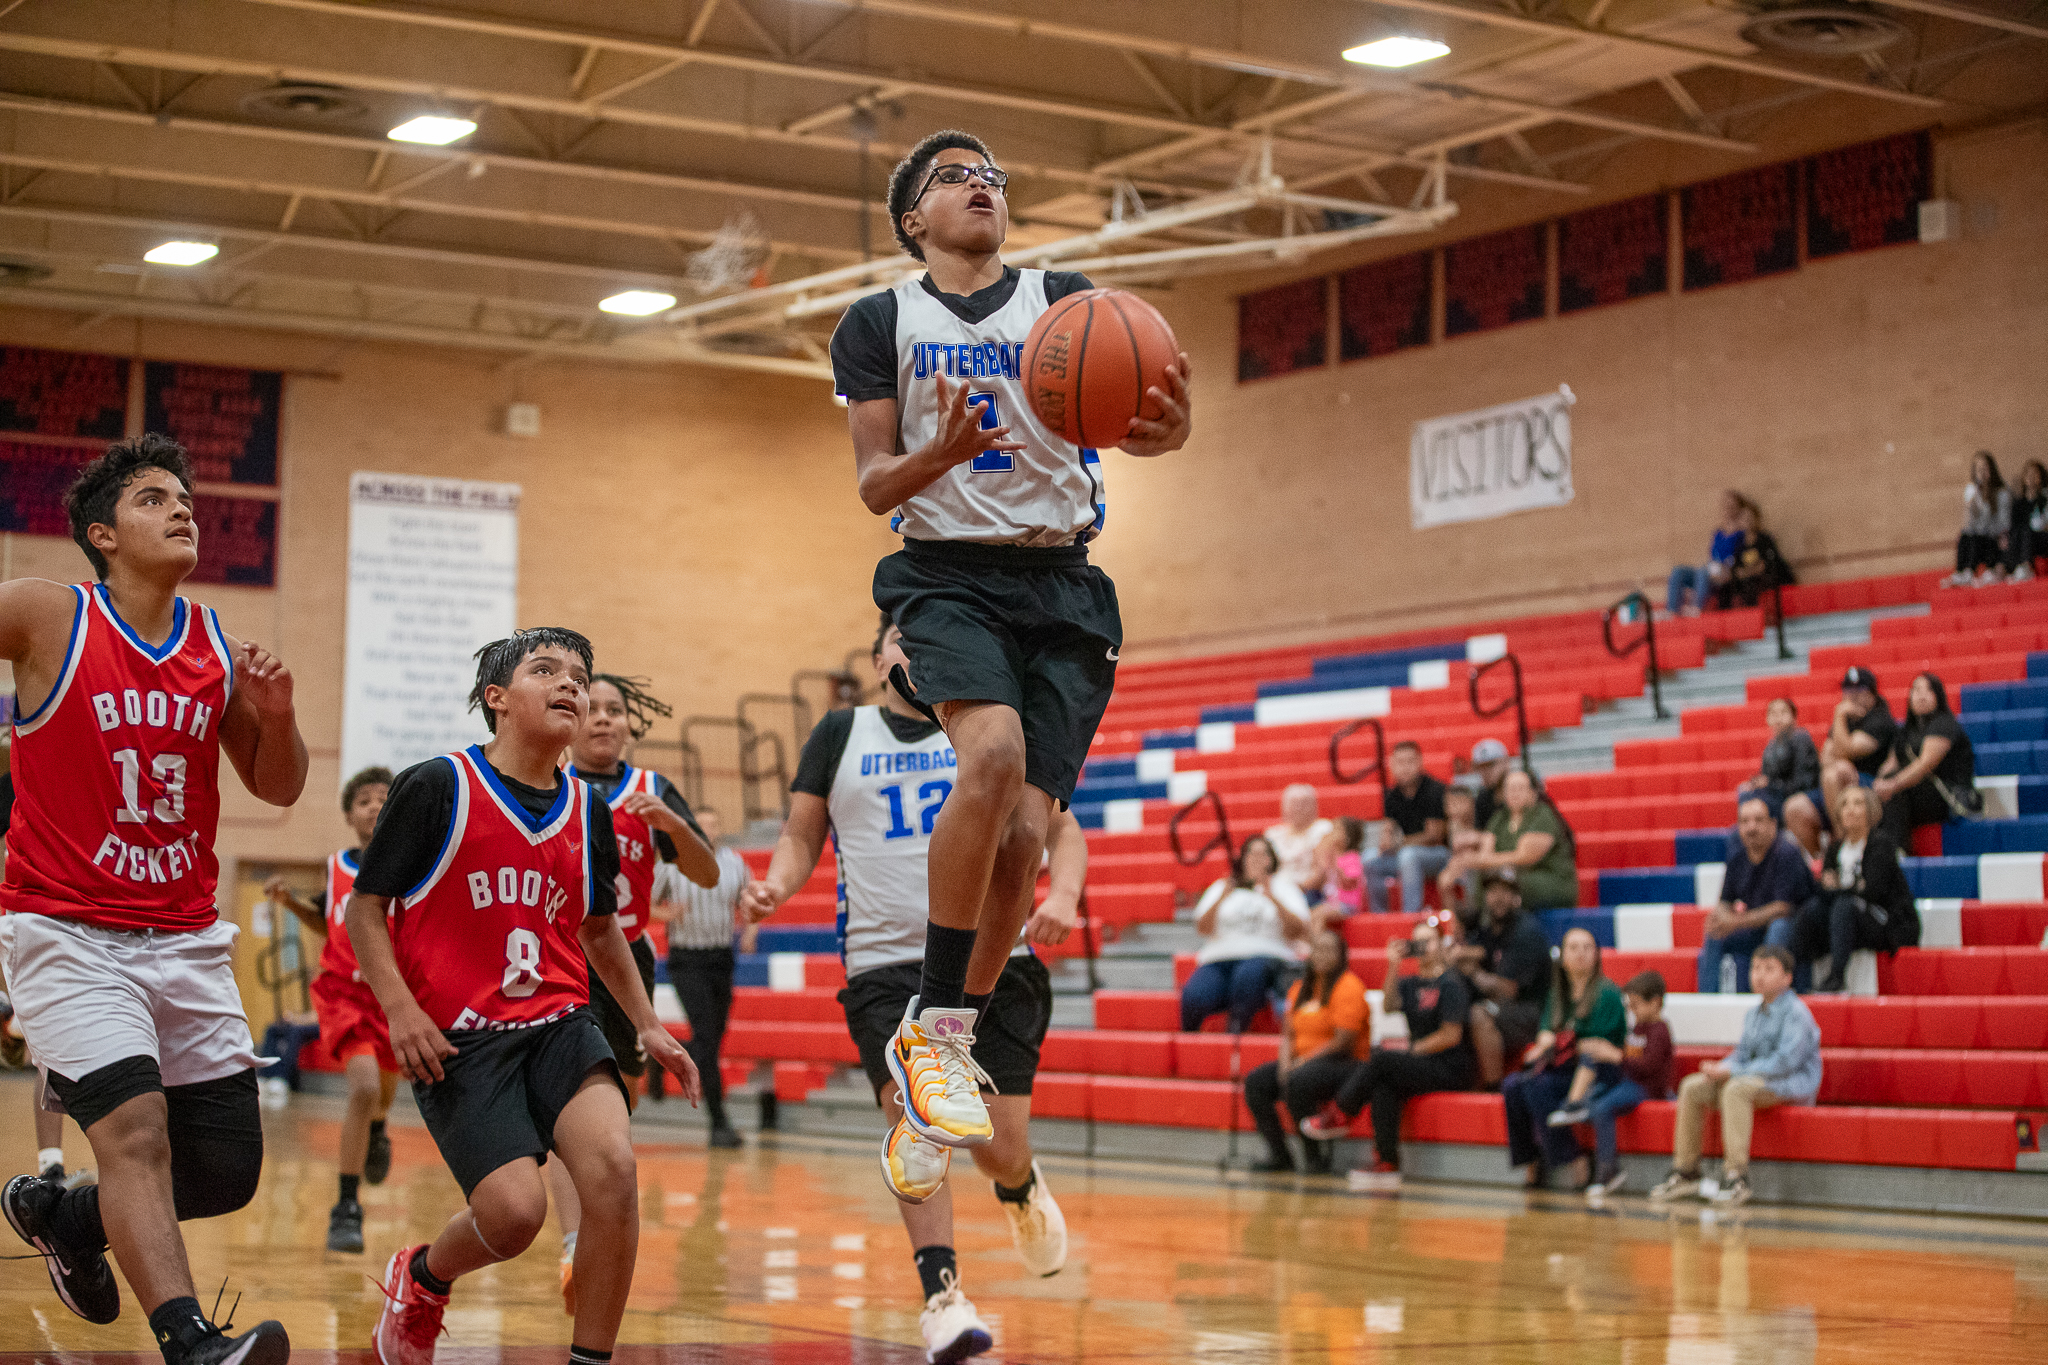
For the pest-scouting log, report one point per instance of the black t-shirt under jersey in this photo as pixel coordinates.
(864, 360)
(415, 822)
(827, 745)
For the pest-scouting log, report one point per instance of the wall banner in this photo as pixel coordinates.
(433, 574)
(1512, 457)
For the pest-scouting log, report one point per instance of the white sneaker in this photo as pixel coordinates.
(932, 1059)
(1959, 579)
(1037, 1227)
(952, 1329)
(914, 1168)
(2023, 574)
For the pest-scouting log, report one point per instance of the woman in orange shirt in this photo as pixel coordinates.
(1326, 1033)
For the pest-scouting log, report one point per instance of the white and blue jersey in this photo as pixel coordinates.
(902, 343)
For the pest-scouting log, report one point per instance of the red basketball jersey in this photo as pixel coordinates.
(339, 956)
(488, 939)
(116, 775)
(637, 854)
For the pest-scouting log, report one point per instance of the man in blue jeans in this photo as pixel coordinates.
(1413, 844)
(1767, 879)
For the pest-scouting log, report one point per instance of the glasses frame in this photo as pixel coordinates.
(973, 171)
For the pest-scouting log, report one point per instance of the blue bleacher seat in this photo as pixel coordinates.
(2028, 834)
(803, 940)
(1599, 923)
(1700, 846)
(1387, 659)
(2002, 696)
(1182, 738)
(1944, 878)
(2037, 664)
(1651, 885)
(1239, 715)
(1096, 792)
(2026, 759)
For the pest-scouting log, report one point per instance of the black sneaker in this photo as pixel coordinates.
(722, 1136)
(1272, 1165)
(345, 1226)
(79, 1274)
(264, 1344)
(53, 1172)
(377, 1161)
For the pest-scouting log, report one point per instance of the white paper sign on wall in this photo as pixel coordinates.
(433, 574)
(1508, 458)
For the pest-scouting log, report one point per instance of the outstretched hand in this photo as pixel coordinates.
(1176, 416)
(262, 677)
(961, 436)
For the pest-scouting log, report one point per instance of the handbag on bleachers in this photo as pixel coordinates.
(1968, 803)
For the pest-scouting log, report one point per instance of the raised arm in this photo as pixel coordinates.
(795, 858)
(887, 477)
(259, 731)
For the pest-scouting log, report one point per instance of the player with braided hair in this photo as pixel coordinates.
(653, 824)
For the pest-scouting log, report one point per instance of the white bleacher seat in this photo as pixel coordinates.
(1123, 817)
(1642, 928)
(1155, 765)
(1305, 708)
(786, 972)
(1216, 737)
(1707, 1020)
(2001, 797)
(1182, 788)
(1706, 883)
(1941, 923)
(2009, 877)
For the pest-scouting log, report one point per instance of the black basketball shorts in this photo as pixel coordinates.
(1037, 630)
(1006, 1039)
(503, 1090)
(617, 1025)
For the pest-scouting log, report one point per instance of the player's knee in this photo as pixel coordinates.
(611, 1180)
(133, 1139)
(365, 1082)
(509, 1223)
(993, 767)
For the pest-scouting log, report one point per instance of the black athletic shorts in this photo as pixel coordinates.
(1035, 629)
(503, 1090)
(1006, 1040)
(619, 1033)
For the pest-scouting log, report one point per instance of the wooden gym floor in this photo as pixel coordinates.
(790, 1251)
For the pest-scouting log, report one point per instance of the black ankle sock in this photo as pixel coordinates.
(944, 983)
(932, 1263)
(75, 1219)
(978, 1003)
(376, 1128)
(425, 1278)
(1019, 1195)
(349, 1185)
(178, 1325)
(588, 1355)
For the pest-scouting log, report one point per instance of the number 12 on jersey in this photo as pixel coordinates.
(933, 794)
(989, 461)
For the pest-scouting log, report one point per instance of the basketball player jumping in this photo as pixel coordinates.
(876, 778)
(351, 1022)
(653, 825)
(504, 869)
(119, 965)
(1011, 636)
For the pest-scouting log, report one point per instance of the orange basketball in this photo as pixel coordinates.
(1089, 360)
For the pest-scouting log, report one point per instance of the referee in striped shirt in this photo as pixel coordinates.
(700, 963)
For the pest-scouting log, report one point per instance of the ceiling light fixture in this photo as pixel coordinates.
(181, 253)
(638, 303)
(434, 130)
(1397, 51)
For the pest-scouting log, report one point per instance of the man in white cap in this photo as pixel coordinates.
(1489, 766)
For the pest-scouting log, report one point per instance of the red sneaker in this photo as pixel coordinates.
(411, 1320)
(1327, 1123)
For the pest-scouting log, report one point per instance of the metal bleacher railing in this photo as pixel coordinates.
(1379, 760)
(1514, 701)
(1635, 607)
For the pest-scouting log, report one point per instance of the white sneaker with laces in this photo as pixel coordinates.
(1037, 1227)
(932, 1059)
(914, 1168)
(953, 1331)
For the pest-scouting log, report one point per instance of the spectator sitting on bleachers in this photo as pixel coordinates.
(1491, 764)
(1864, 901)
(1645, 1065)
(1297, 837)
(1506, 958)
(2027, 541)
(1342, 864)
(1931, 776)
(1759, 564)
(1436, 1003)
(1251, 920)
(1326, 1034)
(1766, 878)
(1463, 835)
(1528, 835)
(1859, 741)
(1686, 592)
(1411, 839)
(1777, 1062)
(1987, 519)
(1583, 1005)
(1790, 761)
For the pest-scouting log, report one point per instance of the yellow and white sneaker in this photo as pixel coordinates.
(953, 1331)
(1037, 1227)
(932, 1059)
(915, 1168)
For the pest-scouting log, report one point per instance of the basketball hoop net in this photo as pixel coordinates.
(738, 250)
